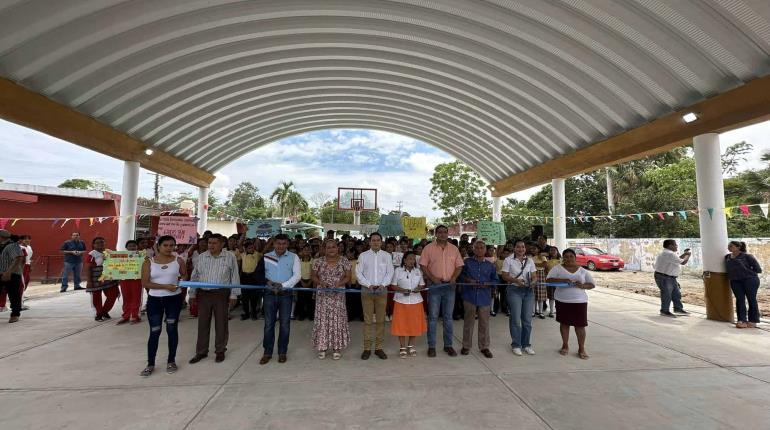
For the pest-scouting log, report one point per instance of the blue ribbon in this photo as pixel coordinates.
(191, 284)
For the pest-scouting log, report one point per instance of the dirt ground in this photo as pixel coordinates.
(637, 282)
(643, 283)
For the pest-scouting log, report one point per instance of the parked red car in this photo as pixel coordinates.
(596, 259)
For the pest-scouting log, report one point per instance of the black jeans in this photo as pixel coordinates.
(746, 289)
(251, 299)
(12, 288)
(171, 306)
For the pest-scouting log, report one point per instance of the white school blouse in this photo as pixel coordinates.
(571, 294)
(408, 280)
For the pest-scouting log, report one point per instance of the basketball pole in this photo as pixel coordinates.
(357, 217)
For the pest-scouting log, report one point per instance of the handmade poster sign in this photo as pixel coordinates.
(264, 228)
(390, 225)
(119, 265)
(491, 232)
(184, 229)
(415, 226)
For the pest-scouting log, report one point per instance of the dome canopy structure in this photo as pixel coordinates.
(505, 86)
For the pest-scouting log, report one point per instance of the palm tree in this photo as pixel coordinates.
(296, 203)
(282, 194)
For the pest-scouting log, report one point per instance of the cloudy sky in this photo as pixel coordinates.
(318, 162)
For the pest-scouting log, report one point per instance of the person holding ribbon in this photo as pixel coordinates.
(218, 267)
(479, 276)
(280, 269)
(96, 286)
(441, 264)
(572, 300)
(160, 275)
(520, 272)
(330, 325)
(408, 315)
(375, 273)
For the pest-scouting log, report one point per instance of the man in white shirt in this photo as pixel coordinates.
(374, 272)
(668, 266)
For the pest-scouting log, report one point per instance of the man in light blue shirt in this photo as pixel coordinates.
(280, 269)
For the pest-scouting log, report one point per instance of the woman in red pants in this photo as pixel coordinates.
(131, 290)
(97, 287)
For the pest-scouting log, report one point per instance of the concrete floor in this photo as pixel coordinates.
(60, 369)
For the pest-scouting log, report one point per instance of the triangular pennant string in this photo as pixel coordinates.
(711, 213)
(729, 212)
(77, 222)
(764, 206)
(745, 210)
(683, 214)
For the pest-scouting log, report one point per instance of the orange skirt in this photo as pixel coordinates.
(408, 320)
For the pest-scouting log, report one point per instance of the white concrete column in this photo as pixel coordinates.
(128, 195)
(203, 211)
(559, 214)
(711, 194)
(497, 213)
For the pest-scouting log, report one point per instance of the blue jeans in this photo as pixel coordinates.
(440, 300)
(277, 307)
(746, 289)
(669, 291)
(521, 303)
(171, 306)
(75, 269)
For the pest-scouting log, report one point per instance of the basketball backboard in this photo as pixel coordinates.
(356, 199)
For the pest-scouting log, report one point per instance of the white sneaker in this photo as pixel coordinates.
(517, 352)
(529, 350)
(321, 355)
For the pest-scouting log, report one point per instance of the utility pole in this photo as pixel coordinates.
(157, 186)
(400, 206)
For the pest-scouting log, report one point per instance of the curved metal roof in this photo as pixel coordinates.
(501, 85)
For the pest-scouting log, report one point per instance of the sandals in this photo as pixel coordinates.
(402, 352)
(321, 355)
(564, 351)
(336, 355)
(412, 352)
(147, 371)
(583, 355)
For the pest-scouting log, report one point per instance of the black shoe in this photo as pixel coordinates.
(493, 314)
(450, 351)
(254, 318)
(79, 288)
(541, 316)
(667, 314)
(381, 354)
(366, 354)
(465, 351)
(98, 318)
(681, 312)
(63, 291)
(197, 358)
(220, 357)
(106, 316)
(301, 319)
(431, 352)
(244, 317)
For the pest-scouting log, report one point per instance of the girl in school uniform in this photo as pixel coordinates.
(408, 315)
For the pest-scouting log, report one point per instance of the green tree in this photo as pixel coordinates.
(288, 200)
(734, 155)
(246, 202)
(459, 192)
(85, 184)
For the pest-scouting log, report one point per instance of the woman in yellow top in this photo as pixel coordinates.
(305, 305)
(250, 298)
(554, 259)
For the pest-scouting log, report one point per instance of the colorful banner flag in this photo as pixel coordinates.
(729, 212)
(683, 214)
(745, 210)
(711, 213)
(763, 206)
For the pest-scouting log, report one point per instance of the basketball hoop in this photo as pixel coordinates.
(357, 204)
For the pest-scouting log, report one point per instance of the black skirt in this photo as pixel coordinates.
(572, 314)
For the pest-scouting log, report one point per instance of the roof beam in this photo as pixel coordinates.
(744, 105)
(32, 110)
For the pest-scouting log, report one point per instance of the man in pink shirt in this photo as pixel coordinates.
(441, 264)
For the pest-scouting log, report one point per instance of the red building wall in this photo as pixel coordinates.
(46, 240)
